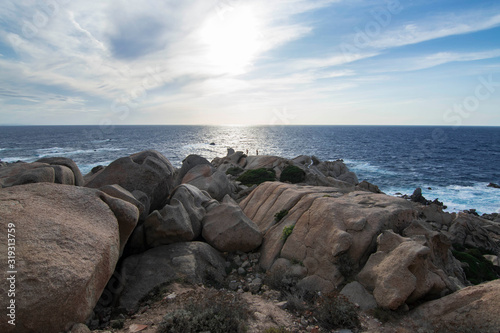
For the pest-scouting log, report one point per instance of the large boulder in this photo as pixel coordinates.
(473, 309)
(178, 221)
(334, 230)
(228, 229)
(207, 178)
(67, 243)
(401, 272)
(27, 173)
(357, 294)
(64, 161)
(440, 255)
(190, 162)
(119, 192)
(169, 225)
(193, 262)
(472, 231)
(147, 171)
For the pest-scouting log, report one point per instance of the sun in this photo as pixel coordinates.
(231, 40)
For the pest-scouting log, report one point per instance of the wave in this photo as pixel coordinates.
(459, 198)
(86, 168)
(362, 167)
(58, 151)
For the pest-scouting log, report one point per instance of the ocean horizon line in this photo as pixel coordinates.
(242, 125)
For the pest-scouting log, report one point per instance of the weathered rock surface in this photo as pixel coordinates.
(357, 294)
(147, 171)
(473, 309)
(472, 231)
(119, 192)
(207, 178)
(169, 225)
(228, 229)
(64, 161)
(440, 255)
(401, 272)
(190, 162)
(193, 262)
(332, 226)
(68, 242)
(178, 221)
(317, 173)
(26, 173)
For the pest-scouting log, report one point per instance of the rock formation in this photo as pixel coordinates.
(198, 223)
(68, 241)
(148, 172)
(228, 229)
(193, 262)
(328, 224)
(473, 309)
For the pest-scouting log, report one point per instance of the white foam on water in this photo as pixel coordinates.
(458, 198)
(58, 151)
(86, 168)
(359, 167)
(18, 158)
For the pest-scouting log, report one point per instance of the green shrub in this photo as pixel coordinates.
(292, 174)
(479, 269)
(280, 215)
(234, 171)
(257, 176)
(335, 311)
(216, 311)
(287, 231)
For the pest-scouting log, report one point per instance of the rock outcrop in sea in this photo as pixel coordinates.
(90, 245)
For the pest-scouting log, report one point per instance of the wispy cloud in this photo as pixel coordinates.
(214, 55)
(434, 28)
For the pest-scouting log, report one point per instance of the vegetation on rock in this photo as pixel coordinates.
(477, 268)
(217, 311)
(292, 174)
(280, 215)
(234, 171)
(287, 231)
(257, 176)
(335, 311)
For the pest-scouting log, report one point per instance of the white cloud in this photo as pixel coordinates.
(434, 28)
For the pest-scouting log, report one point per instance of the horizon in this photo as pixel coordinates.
(250, 63)
(255, 125)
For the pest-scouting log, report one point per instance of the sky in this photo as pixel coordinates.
(250, 62)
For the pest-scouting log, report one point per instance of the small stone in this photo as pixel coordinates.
(282, 305)
(237, 260)
(242, 271)
(233, 285)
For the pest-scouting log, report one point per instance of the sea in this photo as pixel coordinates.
(452, 164)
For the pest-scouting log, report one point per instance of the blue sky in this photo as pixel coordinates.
(250, 62)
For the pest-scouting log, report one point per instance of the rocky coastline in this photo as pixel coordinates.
(96, 252)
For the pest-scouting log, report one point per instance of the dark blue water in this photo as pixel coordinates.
(456, 163)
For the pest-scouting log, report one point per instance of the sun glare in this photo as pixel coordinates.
(231, 40)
